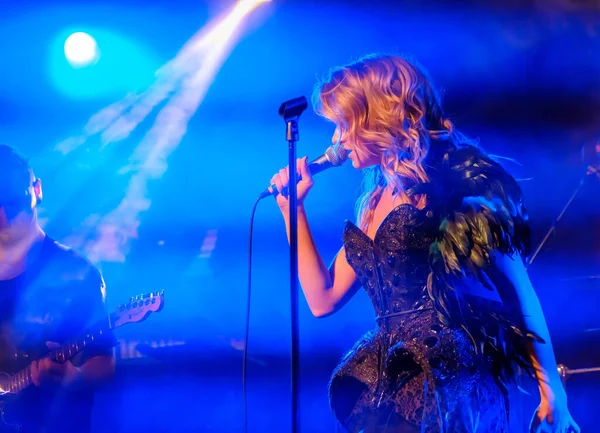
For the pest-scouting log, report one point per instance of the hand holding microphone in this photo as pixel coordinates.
(280, 182)
(334, 156)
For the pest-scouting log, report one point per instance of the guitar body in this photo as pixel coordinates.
(8, 424)
(8, 401)
(12, 385)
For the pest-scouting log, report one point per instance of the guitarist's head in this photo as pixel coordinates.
(20, 190)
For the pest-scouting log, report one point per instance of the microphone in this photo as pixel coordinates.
(334, 156)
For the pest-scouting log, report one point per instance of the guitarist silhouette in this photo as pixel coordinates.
(49, 295)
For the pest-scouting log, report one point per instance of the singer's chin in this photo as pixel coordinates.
(358, 165)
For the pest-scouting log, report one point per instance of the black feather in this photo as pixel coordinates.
(481, 212)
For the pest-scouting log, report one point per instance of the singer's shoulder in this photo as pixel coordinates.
(459, 171)
(466, 162)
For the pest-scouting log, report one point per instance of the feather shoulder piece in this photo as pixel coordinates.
(481, 212)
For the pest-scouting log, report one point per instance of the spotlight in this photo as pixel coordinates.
(81, 49)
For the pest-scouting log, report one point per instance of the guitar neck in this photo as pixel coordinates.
(21, 380)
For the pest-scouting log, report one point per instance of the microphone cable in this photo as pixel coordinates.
(247, 325)
(334, 156)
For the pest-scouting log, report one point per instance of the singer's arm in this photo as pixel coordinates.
(326, 289)
(511, 278)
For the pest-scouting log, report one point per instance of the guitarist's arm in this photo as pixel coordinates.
(94, 365)
(94, 371)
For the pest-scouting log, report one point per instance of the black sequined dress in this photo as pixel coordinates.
(433, 362)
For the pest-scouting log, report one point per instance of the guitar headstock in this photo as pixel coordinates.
(138, 308)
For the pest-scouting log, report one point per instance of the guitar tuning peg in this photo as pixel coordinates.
(132, 299)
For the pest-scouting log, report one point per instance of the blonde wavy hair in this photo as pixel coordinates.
(387, 105)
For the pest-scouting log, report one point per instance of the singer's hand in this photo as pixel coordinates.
(281, 181)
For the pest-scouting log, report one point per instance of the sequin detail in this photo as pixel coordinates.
(412, 373)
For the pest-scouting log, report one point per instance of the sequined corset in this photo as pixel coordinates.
(393, 268)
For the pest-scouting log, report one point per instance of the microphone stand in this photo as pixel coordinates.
(591, 171)
(564, 372)
(291, 111)
(555, 223)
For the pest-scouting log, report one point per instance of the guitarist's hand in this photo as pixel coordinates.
(47, 371)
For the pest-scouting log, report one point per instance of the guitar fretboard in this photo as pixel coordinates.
(21, 380)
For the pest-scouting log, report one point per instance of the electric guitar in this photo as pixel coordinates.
(136, 310)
